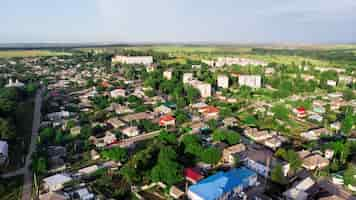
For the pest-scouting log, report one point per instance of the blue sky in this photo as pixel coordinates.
(236, 21)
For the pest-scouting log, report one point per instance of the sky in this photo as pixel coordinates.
(181, 21)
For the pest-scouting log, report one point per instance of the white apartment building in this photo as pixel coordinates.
(145, 60)
(168, 74)
(204, 88)
(187, 77)
(253, 81)
(223, 81)
(221, 61)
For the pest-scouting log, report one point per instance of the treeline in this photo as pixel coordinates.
(155, 54)
(345, 56)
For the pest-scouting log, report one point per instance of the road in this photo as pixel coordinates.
(28, 175)
(132, 140)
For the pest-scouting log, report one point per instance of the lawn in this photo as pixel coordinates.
(29, 53)
(10, 189)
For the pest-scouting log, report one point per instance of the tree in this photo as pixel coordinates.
(237, 161)
(341, 151)
(59, 138)
(39, 164)
(230, 137)
(192, 94)
(213, 124)
(167, 138)
(277, 175)
(181, 116)
(211, 155)
(6, 130)
(116, 154)
(167, 169)
(291, 157)
(280, 111)
(348, 94)
(350, 175)
(47, 135)
(293, 160)
(348, 122)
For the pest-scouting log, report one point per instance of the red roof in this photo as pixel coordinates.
(166, 118)
(192, 175)
(105, 84)
(301, 110)
(210, 109)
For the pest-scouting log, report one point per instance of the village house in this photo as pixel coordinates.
(198, 126)
(209, 112)
(119, 109)
(253, 81)
(56, 182)
(315, 134)
(118, 93)
(273, 142)
(256, 135)
(176, 193)
(315, 161)
(130, 131)
(223, 81)
(162, 110)
(192, 175)
(229, 153)
(300, 112)
(107, 139)
(167, 120)
(58, 115)
(83, 194)
(223, 185)
(137, 117)
(17, 83)
(315, 117)
(262, 162)
(115, 122)
(230, 122)
(4, 148)
(88, 170)
(299, 191)
(75, 130)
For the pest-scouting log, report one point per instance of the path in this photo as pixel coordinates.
(28, 175)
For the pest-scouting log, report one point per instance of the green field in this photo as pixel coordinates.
(30, 53)
(320, 55)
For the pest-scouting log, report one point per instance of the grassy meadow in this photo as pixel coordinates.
(29, 53)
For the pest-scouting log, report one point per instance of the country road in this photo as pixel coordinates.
(28, 175)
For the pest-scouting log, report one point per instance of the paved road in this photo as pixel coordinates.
(28, 175)
(132, 140)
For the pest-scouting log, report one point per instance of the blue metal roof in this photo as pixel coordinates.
(220, 183)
